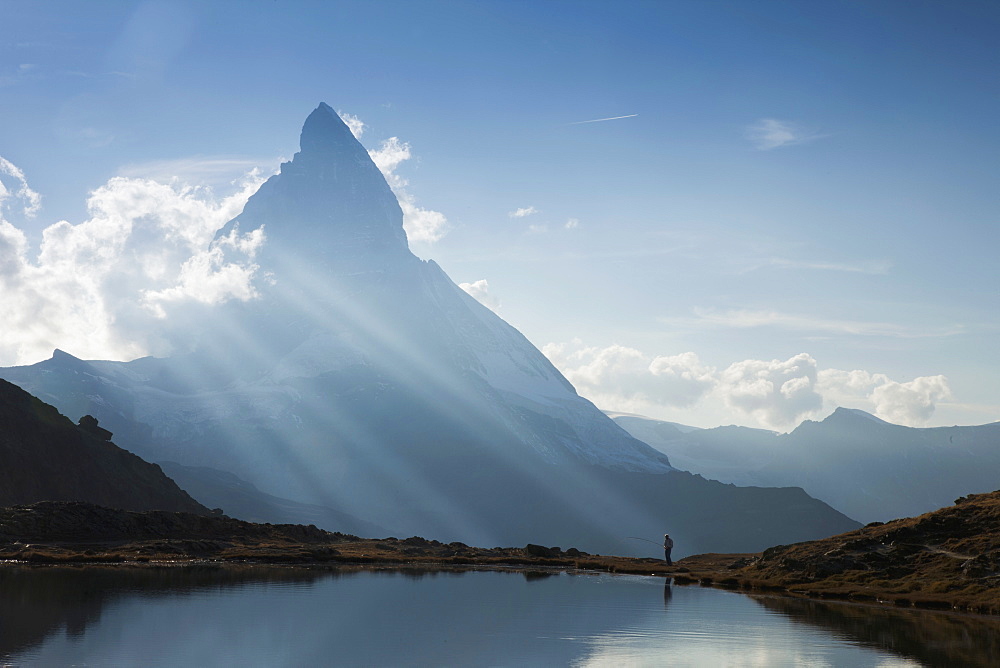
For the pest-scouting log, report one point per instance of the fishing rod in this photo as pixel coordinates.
(645, 539)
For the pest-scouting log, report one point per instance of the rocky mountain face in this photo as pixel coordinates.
(868, 468)
(364, 379)
(45, 457)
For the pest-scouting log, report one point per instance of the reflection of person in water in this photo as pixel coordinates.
(668, 592)
(668, 544)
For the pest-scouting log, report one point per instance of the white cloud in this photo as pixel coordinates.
(777, 393)
(684, 375)
(390, 155)
(354, 124)
(523, 212)
(610, 376)
(420, 224)
(771, 133)
(208, 278)
(538, 229)
(94, 288)
(848, 388)
(746, 318)
(912, 403)
(30, 200)
(220, 172)
(874, 267)
(733, 251)
(625, 379)
(480, 291)
(572, 224)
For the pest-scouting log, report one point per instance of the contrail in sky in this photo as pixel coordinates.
(598, 120)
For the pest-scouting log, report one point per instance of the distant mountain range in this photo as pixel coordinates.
(365, 381)
(865, 467)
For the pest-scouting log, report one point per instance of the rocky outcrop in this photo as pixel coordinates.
(89, 424)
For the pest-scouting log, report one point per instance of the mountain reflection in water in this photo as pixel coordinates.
(295, 616)
(37, 602)
(932, 638)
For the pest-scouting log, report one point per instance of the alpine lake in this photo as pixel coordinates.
(293, 616)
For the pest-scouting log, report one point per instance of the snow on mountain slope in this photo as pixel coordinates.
(523, 377)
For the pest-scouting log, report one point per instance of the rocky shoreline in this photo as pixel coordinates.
(82, 533)
(944, 560)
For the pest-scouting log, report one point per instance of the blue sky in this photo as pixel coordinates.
(797, 210)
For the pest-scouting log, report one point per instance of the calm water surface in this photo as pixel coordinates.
(296, 617)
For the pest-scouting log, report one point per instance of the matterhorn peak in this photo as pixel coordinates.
(362, 377)
(329, 203)
(325, 132)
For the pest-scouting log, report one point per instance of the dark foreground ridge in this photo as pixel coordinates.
(43, 455)
(61, 533)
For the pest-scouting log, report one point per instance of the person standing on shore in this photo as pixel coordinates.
(668, 544)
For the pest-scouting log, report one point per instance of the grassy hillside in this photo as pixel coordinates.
(949, 558)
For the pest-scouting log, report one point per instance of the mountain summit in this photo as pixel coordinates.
(325, 133)
(364, 379)
(330, 204)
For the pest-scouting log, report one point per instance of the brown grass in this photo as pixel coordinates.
(947, 559)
